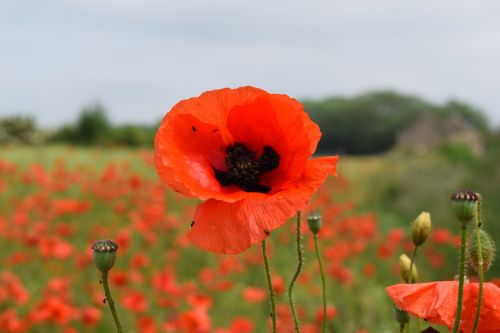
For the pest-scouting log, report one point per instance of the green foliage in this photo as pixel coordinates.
(94, 129)
(364, 124)
(471, 114)
(369, 123)
(458, 153)
(133, 136)
(66, 134)
(19, 130)
(93, 126)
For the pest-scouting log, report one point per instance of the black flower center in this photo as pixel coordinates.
(244, 168)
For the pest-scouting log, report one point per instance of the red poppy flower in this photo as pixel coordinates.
(437, 302)
(247, 154)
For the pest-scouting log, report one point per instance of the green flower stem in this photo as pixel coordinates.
(323, 283)
(297, 272)
(461, 276)
(269, 284)
(480, 264)
(410, 280)
(111, 302)
(413, 255)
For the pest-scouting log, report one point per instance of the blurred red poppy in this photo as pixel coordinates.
(247, 154)
(436, 302)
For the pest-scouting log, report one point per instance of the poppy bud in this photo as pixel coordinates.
(104, 254)
(464, 204)
(400, 316)
(421, 228)
(315, 221)
(488, 250)
(404, 269)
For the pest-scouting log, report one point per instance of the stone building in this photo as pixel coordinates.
(429, 132)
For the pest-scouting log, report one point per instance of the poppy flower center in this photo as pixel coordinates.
(244, 168)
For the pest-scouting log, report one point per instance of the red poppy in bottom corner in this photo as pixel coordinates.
(436, 302)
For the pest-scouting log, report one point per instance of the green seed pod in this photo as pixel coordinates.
(421, 228)
(488, 250)
(314, 220)
(400, 316)
(464, 204)
(404, 269)
(104, 254)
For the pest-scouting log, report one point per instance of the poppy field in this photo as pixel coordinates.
(57, 201)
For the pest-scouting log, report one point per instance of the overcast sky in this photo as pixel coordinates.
(140, 57)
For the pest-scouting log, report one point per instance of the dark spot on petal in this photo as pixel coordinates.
(192, 223)
(215, 130)
(193, 128)
(267, 232)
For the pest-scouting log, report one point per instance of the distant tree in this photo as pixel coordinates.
(92, 126)
(19, 130)
(363, 124)
(133, 136)
(65, 134)
(471, 114)
(369, 123)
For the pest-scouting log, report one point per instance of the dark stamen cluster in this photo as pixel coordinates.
(244, 168)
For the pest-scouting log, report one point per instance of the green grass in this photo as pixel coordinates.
(395, 186)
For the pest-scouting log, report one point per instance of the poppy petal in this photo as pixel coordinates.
(436, 302)
(186, 153)
(221, 227)
(191, 139)
(418, 299)
(231, 228)
(213, 107)
(489, 320)
(280, 122)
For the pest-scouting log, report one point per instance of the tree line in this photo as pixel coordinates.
(364, 124)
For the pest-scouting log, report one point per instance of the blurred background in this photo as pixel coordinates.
(405, 92)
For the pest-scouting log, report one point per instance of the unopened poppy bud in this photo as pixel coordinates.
(464, 204)
(400, 316)
(104, 254)
(488, 250)
(315, 221)
(404, 269)
(421, 228)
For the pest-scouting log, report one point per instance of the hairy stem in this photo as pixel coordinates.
(461, 277)
(111, 302)
(410, 275)
(296, 274)
(323, 283)
(269, 284)
(480, 264)
(410, 278)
